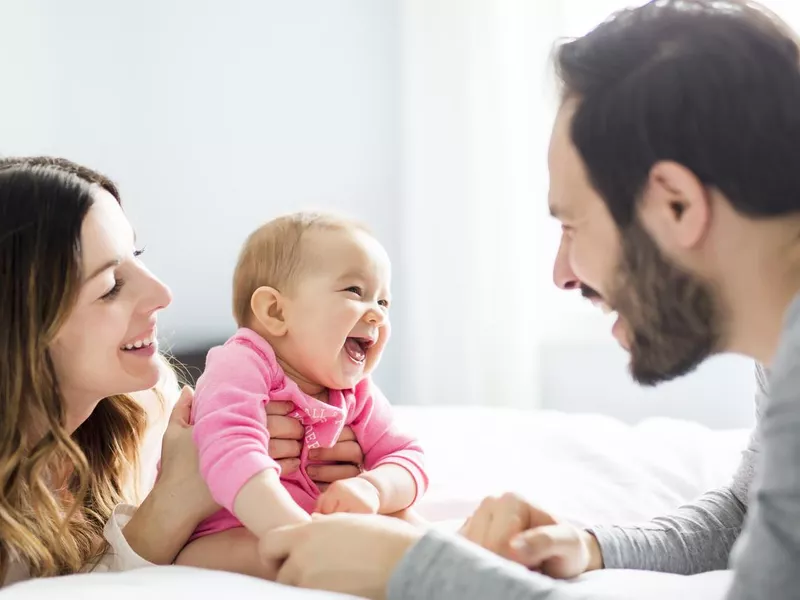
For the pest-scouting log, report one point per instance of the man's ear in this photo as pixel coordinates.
(267, 305)
(676, 207)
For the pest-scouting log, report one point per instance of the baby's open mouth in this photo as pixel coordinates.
(357, 347)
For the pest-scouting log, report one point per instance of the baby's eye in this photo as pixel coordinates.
(354, 289)
(384, 303)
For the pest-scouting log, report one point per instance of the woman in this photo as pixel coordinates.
(78, 313)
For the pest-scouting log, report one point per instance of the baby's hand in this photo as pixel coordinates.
(354, 495)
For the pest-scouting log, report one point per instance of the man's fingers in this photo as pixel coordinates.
(279, 449)
(504, 526)
(480, 522)
(347, 452)
(182, 411)
(289, 574)
(347, 435)
(539, 518)
(535, 546)
(331, 473)
(285, 428)
(288, 465)
(464, 529)
(279, 408)
(279, 543)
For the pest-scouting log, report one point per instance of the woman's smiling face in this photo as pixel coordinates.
(107, 344)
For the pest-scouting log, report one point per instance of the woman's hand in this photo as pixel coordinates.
(179, 500)
(286, 442)
(180, 470)
(517, 530)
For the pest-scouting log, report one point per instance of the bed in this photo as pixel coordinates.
(585, 468)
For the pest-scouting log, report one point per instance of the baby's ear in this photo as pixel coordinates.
(267, 305)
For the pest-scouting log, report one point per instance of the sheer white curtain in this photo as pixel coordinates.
(478, 242)
(476, 118)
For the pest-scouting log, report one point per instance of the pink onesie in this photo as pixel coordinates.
(230, 431)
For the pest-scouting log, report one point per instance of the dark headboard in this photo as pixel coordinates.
(190, 364)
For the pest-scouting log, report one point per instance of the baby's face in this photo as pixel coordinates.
(338, 315)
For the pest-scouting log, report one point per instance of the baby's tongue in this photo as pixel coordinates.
(354, 350)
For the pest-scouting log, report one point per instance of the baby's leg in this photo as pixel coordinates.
(234, 550)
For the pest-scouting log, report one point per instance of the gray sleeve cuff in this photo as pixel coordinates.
(447, 567)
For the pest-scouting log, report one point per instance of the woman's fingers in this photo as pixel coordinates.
(284, 428)
(182, 411)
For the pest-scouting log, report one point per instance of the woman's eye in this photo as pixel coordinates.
(138, 253)
(354, 289)
(114, 291)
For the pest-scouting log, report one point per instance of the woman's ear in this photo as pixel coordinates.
(267, 305)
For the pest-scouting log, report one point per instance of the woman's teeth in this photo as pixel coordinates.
(140, 343)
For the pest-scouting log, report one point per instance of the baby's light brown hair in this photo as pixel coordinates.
(273, 255)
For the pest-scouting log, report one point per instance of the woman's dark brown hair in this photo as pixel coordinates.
(57, 489)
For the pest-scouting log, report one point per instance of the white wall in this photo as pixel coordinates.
(213, 117)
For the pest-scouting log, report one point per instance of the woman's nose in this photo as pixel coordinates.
(159, 295)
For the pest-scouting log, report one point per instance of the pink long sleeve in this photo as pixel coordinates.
(229, 419)
(382, 440)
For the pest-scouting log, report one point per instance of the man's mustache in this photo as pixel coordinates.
(590, 293)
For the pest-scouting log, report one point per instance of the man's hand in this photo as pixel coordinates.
(354, 495)
(517, 530)
(286, 443)
(349, 554)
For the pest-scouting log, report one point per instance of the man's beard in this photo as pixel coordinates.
(673, 318)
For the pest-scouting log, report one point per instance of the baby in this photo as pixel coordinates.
(311, 299)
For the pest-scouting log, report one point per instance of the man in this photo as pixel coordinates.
(675, 173)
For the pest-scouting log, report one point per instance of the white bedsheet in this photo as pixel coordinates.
(585, 468)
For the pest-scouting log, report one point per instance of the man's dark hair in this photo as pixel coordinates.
(714, 86)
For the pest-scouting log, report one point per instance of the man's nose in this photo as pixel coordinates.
(563, 275)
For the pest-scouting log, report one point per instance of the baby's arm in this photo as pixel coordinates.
(232, 439)
(394, 460)
(264, 504)
(397, 489)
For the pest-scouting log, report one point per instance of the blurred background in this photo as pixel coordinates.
(429, 119)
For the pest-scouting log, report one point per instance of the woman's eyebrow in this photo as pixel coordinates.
(104, 267)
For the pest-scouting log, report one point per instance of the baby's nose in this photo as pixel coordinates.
(375, 317)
